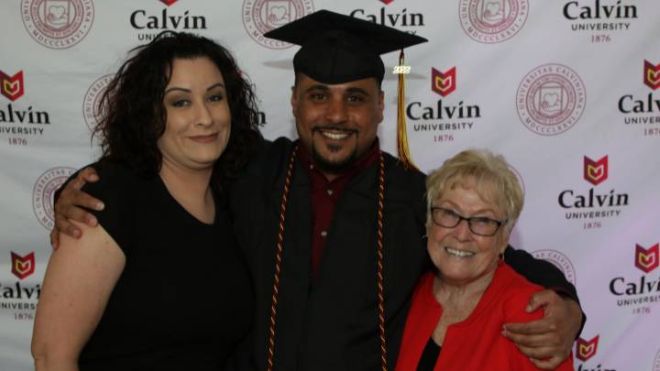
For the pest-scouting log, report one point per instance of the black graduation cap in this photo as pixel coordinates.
(336, 48)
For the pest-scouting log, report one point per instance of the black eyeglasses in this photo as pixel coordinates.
(478, 225)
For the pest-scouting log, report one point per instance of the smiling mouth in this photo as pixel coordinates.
(205, 138)
(334, 133)
(458, 253)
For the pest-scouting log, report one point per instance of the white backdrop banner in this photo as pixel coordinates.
(567, 91)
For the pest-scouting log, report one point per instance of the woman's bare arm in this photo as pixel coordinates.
(80, 277)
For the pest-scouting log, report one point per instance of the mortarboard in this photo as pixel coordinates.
(337, 48)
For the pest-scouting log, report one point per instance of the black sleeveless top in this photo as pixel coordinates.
(184, 299)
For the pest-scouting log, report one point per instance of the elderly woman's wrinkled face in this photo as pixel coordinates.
(461, 255)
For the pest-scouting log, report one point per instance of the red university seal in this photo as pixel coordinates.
(57, 24)
(261, 16)
(550, 99)
(492, 21)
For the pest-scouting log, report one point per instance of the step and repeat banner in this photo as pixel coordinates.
(567, 90)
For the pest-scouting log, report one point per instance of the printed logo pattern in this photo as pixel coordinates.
(261, 16)
(640, 111)
(12, 86)
(168, 2)
(22, 266)
(57, 24)
(647, 259)
(492, 21)
(651, 75)
(550, 99)
(595, 172)
(585, 349)
(444, 83)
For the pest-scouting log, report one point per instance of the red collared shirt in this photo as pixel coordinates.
(325, 195)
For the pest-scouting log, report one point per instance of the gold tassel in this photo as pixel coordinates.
(401, 131)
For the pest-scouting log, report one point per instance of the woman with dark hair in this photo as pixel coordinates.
(159, 284)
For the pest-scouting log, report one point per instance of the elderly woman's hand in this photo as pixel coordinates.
(548, 341)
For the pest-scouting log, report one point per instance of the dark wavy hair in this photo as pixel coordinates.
(133, 116)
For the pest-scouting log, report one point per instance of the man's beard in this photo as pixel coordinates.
(332, 167)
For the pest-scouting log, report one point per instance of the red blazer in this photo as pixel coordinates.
(475, 343)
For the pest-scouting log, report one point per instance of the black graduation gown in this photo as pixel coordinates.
(330, 322)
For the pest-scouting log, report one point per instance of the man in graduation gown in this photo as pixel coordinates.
(333, 228)
(324, 311)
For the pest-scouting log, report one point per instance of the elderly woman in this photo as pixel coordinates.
(159, 284)
(457, 312)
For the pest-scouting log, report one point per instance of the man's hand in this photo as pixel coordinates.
(548, 341)
(69, 207)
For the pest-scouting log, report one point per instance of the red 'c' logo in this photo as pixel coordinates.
(443, 83)
(11, 86)
(586, 349)
(651, 75)
(22, 266)
(595, 172)
(647, 259)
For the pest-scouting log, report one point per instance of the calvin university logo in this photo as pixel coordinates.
(585, 349)
(12, 86)
(651, 75)
(444, 82)
(595, 172)
(22, 266)
(646, 259)
(641, 110)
